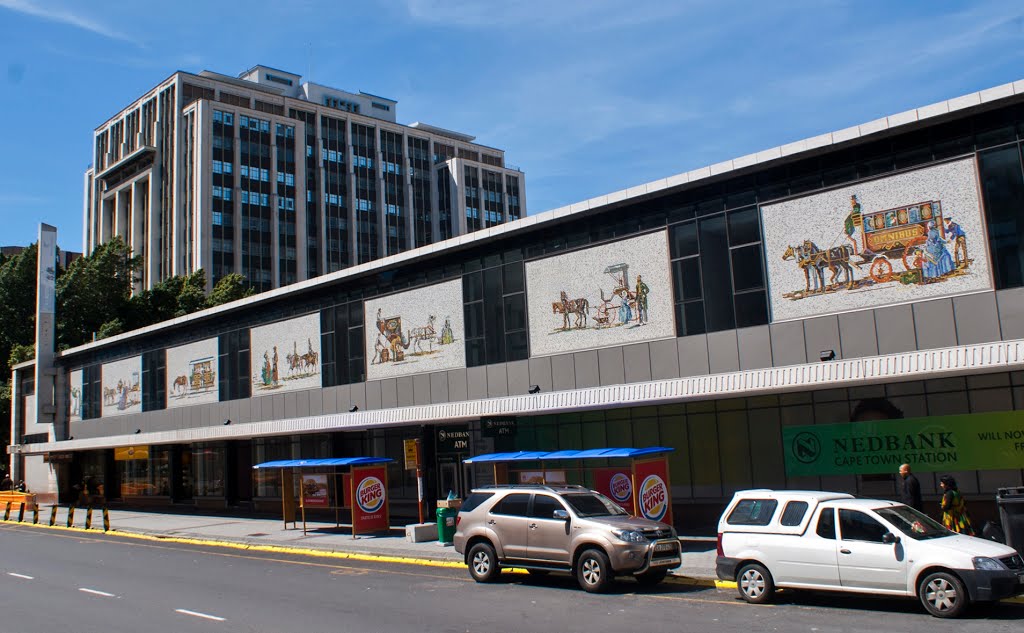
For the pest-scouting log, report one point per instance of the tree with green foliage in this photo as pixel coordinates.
(230, 288)
(93, 291)
(17, 304)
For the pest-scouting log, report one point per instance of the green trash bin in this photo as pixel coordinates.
(446, 524)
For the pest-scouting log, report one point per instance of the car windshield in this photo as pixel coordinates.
(914, 524)
(592, 504)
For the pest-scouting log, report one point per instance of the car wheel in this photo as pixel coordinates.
(652, 577)
(593, 571)
(943, 595)
(755, 584)
(483, 563)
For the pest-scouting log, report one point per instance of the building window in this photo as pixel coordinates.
(278, 79)
(380, 106)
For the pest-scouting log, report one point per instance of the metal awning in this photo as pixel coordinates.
(592, 453)
(315, 463)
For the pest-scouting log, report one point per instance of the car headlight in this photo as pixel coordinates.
(630, 536)
(984, 563)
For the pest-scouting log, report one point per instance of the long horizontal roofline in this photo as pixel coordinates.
(1005, 92)
(951, 361)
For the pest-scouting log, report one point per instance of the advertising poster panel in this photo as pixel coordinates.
(617, 485)
(652, 495)
(369, 499)
(314, 491)
(978, 441)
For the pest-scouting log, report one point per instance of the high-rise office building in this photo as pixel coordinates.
(281, 179)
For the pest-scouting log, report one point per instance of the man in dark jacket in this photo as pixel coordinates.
(910, 489)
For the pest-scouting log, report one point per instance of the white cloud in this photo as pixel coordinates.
(66, 16)
(580, 15)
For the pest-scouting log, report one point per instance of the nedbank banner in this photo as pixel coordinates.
(977, 441)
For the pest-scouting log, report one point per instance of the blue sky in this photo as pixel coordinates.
(587, 96)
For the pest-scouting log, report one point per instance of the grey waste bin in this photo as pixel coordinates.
(1011, 514)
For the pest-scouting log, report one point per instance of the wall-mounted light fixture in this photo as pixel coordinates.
(826, 355)
(353, 408)
(534, 389)
(137, 431)
(227, 422)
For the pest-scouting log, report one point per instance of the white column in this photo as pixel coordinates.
(138, 226)
(410, 208)
(353, 214)
(275, 216)
(301, 206)
(378, 177)
(435, 220)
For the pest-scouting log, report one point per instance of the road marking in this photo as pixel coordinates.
(11, 573)
(96, 592)
(200, 615)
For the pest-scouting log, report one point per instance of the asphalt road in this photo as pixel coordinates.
(54, 581)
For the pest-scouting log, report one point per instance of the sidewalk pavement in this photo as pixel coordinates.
(698, 553)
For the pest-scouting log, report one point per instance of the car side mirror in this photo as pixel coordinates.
(561, 515)
(889, 538)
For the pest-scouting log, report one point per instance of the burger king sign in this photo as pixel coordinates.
(369, 500)
(653, 496)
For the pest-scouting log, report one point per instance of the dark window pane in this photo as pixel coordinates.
(744, 227)
(544, 507)
(515, 313)
(474, 314)
(684, 240)
(475, 352)
(686, 278)
(746, 268)
(516, 346)
(514, 505)
(355, 313)
(472, 287)
(693, 319)
(1002, 186)
(714, 268)
(512, 277)
(751, 309)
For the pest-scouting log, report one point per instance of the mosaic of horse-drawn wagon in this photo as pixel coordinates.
(416, 331)
(285, 356)
(192, 373)
(907, 237)
(601, 296)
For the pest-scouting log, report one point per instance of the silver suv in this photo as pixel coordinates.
(566, 528)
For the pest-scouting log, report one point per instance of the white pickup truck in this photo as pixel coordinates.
(833, 541)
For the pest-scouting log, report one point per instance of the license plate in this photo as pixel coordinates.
(661, 562)
(664, 547)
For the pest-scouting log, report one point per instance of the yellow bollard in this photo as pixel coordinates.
(53, 516)
(21, 512)
(7, 512)
(106, 520)
(71, 516)
(88, 518)
(35, 514)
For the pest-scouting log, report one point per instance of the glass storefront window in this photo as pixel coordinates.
(267, 481)
(150, 477)
(208, 462)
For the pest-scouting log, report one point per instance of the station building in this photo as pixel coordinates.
(809, 316)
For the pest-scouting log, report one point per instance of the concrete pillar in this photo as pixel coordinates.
(353, 213)
(378, 177)
(301, 208)
(275, 217)
(435, 220)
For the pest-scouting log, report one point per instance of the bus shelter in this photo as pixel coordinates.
(640, 484)
(362, 488)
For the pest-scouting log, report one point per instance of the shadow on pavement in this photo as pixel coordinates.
(983, 611)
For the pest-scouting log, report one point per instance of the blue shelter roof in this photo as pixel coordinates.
(316, 463)
(592, 453)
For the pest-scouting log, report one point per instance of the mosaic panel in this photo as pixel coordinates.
(75, 396)
(192, 374)
(606, 295)
(415, 332)
(122, 387)
(908, 237)
(285, 356)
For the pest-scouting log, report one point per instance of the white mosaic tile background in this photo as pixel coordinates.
(821, 217)
(426, 346)
(75, 396)
(297, 343)
(192, 374)
(588, 273)
(122, 387)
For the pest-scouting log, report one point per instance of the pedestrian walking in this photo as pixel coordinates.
(954, 511)
(910, 489)
(7, 483)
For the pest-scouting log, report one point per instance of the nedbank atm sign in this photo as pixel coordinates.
(980, 441)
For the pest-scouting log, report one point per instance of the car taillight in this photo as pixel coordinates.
(458, 517)
(719, 548)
